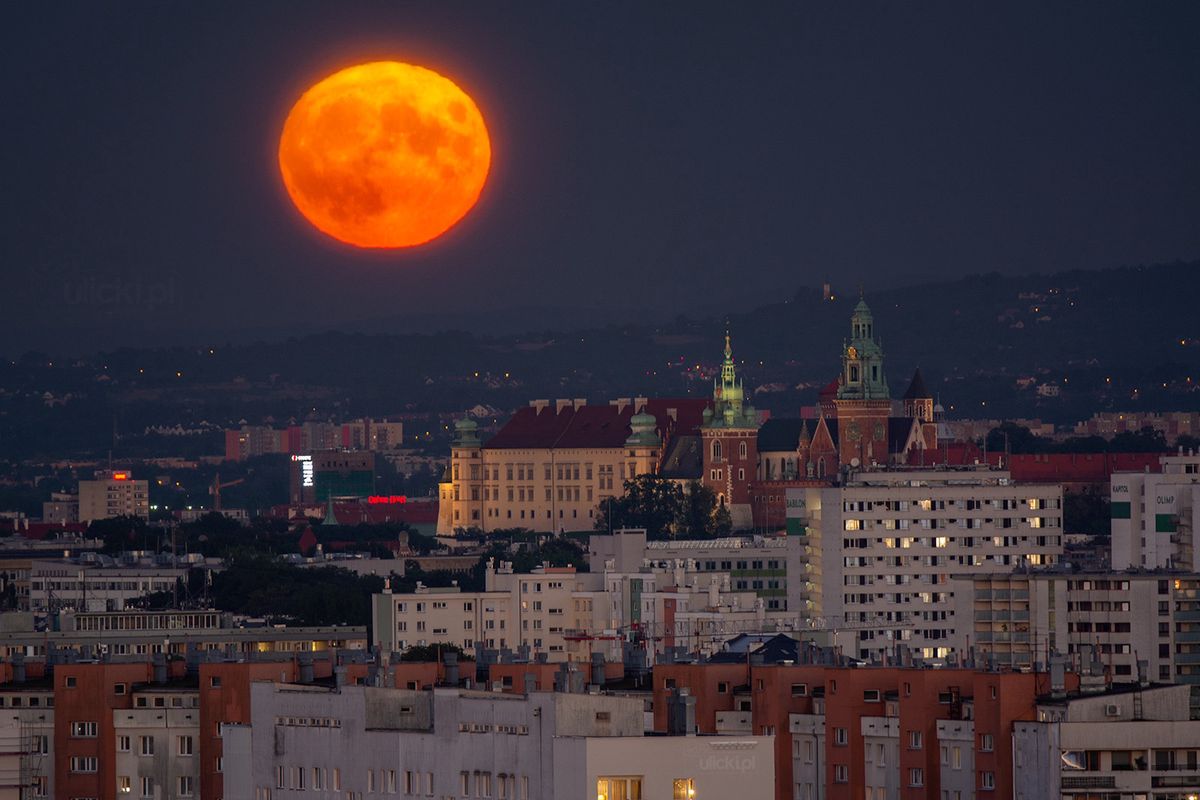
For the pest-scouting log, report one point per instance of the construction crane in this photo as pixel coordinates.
(217, 486)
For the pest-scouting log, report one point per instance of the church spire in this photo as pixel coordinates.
(728, 393)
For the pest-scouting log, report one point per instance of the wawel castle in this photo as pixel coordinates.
(553, 465)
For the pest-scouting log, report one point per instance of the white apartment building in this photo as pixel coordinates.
(158, 744)
(773, 567)
(1154, 515)
(68, 585)
(1014, 619)
(26, 743)
(568, 615)
(885, 544)
(532, 610)
(1138, 743)
(673, 605)
(113, 494)
(362, 741)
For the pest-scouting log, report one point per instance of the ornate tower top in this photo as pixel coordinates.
(862, 360)
(729, 409)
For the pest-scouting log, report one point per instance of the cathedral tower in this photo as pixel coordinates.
(863, 402)
(729, 437)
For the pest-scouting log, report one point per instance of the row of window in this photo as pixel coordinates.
(965, 504)
(185, 786)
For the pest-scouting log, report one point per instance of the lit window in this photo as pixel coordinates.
(683, 789)
(619, 788)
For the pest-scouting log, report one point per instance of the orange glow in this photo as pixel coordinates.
(384, 155)
(120, 476)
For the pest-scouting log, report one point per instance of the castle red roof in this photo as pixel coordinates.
(594, 425)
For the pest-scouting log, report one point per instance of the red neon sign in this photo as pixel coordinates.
(120, 476)
(387, 499)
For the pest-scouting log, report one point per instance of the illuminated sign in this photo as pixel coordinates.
(306, 470)
(387, 499)
(120, 476)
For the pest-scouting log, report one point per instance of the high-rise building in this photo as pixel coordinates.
(1014, 620)
(884, 545)
(318, 477)
(1154, 515)
(113, 494)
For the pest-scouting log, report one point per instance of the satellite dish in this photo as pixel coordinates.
(854, 462)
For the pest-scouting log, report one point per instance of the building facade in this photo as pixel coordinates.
(1154, 515)
(551, 466)
(885, 545)
(113, 494)
(1135, 743)
(1013, 620)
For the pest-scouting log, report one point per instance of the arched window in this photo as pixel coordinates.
(821, 467)
(853, 374)
(716, 449)
(741, 449)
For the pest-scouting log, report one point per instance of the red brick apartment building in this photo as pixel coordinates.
(152, 728)
(839, 704)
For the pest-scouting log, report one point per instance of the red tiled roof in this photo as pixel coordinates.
(1079, 467)
(594, 425)
(40, 531)
(830, 389)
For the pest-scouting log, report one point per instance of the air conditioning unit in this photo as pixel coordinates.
(1112, 710)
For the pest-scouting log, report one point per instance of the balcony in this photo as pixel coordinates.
(1089, 782)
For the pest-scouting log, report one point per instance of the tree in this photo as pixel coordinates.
(1147, 440)
(1086, 512)
(701, 515)
(1013, 438)
(649, 502)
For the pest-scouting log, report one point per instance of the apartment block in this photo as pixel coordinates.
(772, 567)
(113, 494)
(531, 611)
(845, 733)
(885, 545)
(1139, 742)
(1014, 620)
(1154, 515)
(451, 742)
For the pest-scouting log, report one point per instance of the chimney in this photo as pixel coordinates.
(530, 682)
(1058, 675)
(160, 667)
(597, 669)
(681, 713)
(306, 667)
(450, 662)
(577, 679)
(339, 676)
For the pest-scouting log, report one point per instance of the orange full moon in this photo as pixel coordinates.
(384, 155)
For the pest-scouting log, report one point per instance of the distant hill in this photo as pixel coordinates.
(1125, 338)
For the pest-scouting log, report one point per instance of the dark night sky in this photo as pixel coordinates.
(652, 157)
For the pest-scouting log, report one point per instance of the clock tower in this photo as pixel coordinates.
(863, 402)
